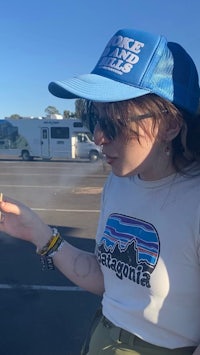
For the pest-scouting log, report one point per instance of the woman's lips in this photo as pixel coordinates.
(109, 158)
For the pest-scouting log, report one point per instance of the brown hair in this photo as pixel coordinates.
(122, 113)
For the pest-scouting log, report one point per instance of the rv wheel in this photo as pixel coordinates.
(26, 155)
(93, 156)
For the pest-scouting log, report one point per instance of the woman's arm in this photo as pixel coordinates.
(79, 266)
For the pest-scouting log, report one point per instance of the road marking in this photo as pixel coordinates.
(54, 174)
(46, 186)
(40, 288)
(89, 190)
(63, 210)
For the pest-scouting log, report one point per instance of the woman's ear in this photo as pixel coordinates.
(171, 131)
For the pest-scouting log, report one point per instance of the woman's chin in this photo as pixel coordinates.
(122, 172)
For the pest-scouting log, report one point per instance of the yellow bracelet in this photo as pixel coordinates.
(53, 241)
(50, 244)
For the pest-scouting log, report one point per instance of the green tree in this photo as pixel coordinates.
(15, 116)
(51, 110)
(66, 114)
(73, 114)
(80, 108)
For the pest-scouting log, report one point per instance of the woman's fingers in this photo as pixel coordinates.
(20, 221)
(10, 207)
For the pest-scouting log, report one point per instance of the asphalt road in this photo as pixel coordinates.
(43, 313)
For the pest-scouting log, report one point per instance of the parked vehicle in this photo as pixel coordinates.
(31, 138)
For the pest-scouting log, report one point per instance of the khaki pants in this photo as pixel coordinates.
(107, 339)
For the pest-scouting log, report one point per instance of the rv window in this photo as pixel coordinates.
(82, 138)
(78, 124)
(60, 132)
(44, 133)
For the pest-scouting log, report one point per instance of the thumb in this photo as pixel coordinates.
(10, 207)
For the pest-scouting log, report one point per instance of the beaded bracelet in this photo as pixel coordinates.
(58, 248)
(51, 243)
(48, 251)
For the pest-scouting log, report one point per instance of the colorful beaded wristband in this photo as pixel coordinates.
(58, 247)
(48, 251)
(50, 244)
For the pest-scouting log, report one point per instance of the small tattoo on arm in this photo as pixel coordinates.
(82, 265)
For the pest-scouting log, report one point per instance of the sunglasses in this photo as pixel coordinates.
(109, 127)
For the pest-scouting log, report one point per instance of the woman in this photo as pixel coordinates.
(142, 104)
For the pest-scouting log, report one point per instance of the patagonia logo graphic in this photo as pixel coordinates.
(121, 54)
(130, 248)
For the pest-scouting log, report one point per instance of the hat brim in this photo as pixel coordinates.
(95, 88)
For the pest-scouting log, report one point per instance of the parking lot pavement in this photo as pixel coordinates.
(43, 313)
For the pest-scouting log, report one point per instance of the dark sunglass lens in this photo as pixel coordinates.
(108, 128)
(106, 125)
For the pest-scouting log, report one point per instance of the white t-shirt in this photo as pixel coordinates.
(148, 245)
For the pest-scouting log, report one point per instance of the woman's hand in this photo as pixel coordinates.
(80, 266)
(21, 222)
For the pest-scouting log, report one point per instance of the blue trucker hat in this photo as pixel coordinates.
(135, 63)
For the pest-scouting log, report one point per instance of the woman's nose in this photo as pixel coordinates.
(99, 136)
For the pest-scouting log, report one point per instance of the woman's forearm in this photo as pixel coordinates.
(80, 267)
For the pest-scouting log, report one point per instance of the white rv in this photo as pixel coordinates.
(31, 138)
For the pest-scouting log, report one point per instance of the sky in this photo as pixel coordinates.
(48, 40)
